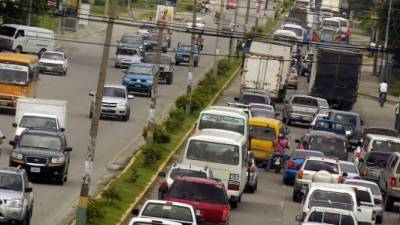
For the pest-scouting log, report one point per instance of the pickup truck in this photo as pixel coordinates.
(182, 54)
(166, 65)
(53, 62)
(300, 108)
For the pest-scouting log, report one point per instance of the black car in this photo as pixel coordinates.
(353, 125)
(150, 43)
(166, 65)
(248, 96)
(42, 153)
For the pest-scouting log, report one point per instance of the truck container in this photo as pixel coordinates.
(334, 76)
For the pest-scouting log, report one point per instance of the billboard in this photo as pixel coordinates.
(71, 3)
(165, 14)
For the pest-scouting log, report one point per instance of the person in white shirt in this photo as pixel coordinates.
(397, 117)
(383, 89)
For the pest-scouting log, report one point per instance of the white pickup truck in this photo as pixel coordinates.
(34, 113)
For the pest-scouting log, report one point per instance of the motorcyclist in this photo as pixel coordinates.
(200, 41)
(279, 149)
(383, 89)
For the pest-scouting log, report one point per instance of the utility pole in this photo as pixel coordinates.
(234, 30)
(221, 18)
(191, 62)
(385, 47)
(29, 13)
(153, 104)
(81, 215)
(106, 3)
(246, 19)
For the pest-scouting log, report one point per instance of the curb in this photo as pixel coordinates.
(373, 97)
(170, 156)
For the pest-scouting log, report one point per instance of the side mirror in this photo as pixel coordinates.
(299, 218)
(28, 189)
(14, 124)
(62, 129)
(162, 174)
(130, 96)
(91, 93)
(236, 99)
(13, 143)
(68, 149)
(135, 212)
(345, 174)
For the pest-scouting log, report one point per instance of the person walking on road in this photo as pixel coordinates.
(383, 90)
(397, 117)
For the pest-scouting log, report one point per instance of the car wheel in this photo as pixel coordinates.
(64, 73)
(389, 203)
(60, 180)
(18, 49)
(196, 63)
(177, 63)
(285, 181)
(295, 87)
(126, 116)
(233, 204)
(288, 122)
(379, 219)
(296, 196)
(169, 79)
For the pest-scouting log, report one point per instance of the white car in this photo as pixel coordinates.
(168, 210)
(350, 169)
(125, 57)
(142, 221)
(200, 25)
(181, 170)
(324, 215)
(365, 213)
(316, 169)
(55, 62)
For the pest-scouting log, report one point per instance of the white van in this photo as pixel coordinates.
(20, 38)
(225, 153)
(295, 28)
(331, 22)
(225, 118)
(377, 143)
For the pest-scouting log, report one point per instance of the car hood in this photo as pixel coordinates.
(183, 53)
(51, 61)
(112, 99)
(133, 58)
(10, 194)
(28, 151)
(130, 45)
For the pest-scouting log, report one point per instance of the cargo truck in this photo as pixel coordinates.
(266, 67)
(334, 76)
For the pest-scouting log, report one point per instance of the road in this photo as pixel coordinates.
(53, 204)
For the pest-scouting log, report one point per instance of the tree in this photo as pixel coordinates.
(16, 11)
(394, 36)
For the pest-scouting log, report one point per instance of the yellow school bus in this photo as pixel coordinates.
(19, 74)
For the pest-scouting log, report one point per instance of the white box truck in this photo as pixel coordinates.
(266, 67)
(35, 113)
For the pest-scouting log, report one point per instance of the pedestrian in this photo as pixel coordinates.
(372, 47)
(397, 117)
(238, 47)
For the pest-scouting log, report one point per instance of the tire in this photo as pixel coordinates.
(288, 122)
(379, 219)
(177, 63)
(295, 87)
(18, 49)
(296, 196)
(60, 180)
(169, 79)
(285, 181)
(65, 73)
(389, 201)
(196, 63)
(233, 204)
(126, 116)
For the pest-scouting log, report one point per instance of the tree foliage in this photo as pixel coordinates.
(394, 36)
(16, 11)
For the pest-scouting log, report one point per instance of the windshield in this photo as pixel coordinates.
(297, 31)
(317, 165)
(380, 131)
(198, 192)
(331, 199)
(280, 37)
(151, 58)
(331, 147)
(141, 70)
(40, 141)
(132, 40)
(262, 113)
(184, 48)
(10, 181)
(213, 121)
(262, 133)
(305, 101)
(330, 23)
(330, 125)
(186, 173)
(328, 32)
(172, 212)
(38, 122)
(213, 152)
(330, 218)
(52, 56)
(385, 146)
(374, 188)
(13, 74)
(348, 168)
(343, 23)
(304, 154)
(346, 119)
(251, 98)
(7, 31)
(378, 159)
(127, 51)
(114, 92)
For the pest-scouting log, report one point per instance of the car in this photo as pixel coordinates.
(248, 96)
(332, 145)
(183, 53)
(148, 221)
(293, 78)
(115, 102)
(228, 25)
(16, 195)
(166, 65)
(294, 163)
(374, 142)
(330, 126)
(168, 210)
(126, 56)
(376, 192)
(350, 169)
(325, 215)
(365, 212)
(139, 78)
(149, 29)
(352, 122)
(329, 34)
(131, 41)
(42, 153)
(373, 164)
(54, 62)
(389, 181)
(300, 108)
(150, 43)
(252, 175)
(318, 116)
(379, 131)
(316, 169)
(199, 25)
(208, 197)
(181, 170)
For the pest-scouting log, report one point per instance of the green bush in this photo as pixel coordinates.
(111, 195)
(175, 119)
(134, 175)
(161, 136)
(152, 153)
(223, 67)
(95, 211)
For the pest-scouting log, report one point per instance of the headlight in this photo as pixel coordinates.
(58, 160)
(16, 155)
(121, 104)
(16, 203)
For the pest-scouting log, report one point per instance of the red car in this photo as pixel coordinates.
(232, 4)
(207, 196)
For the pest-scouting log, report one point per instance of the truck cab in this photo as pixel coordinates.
(37, 121)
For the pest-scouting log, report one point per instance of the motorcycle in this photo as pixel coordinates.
(277, 163)
(382, 99)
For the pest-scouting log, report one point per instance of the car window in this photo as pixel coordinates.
(127, 51)
(38, 122)
(348, 168)
(251, 98)
(363, 196)
(198, 192)
(304, 154)
(172, 212)
(262, 113)
(316, 165)
(331, 218)
(41, 141)
(178, 172)
(7, 31)
(144, 70)
(229, 123)
(52, 56)
(262, 133)
(374, 188)
(10, 181)
(346, 119)
(213, 152)
(330, 125)
(331, 199)
(379, 159)
(380, 131)
(151, 58)
(114, 92)
(385, 146)
(331, 147)
(304, 101)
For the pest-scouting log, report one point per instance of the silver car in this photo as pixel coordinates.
(16, 196)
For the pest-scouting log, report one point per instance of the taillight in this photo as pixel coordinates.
(300, 174)
(292, 165)
(233, 185)
(393, 182)
(250, 168)
(341, 179)
(378, 201)
(304, 215)
(373, 215)
(225, 213)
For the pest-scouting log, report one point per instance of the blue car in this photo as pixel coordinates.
(294, 163)
(182, 54)
(139, 78)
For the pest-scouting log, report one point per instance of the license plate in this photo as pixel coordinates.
(35, 169)
(186, 58)
(137, 85)
(49, 68)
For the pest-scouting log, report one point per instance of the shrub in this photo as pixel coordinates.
(175, 119)
(196, 105)
(161, 136)
(223, 67)
(134, 175)
(95, 211)
(111, 195)
(152, 153)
